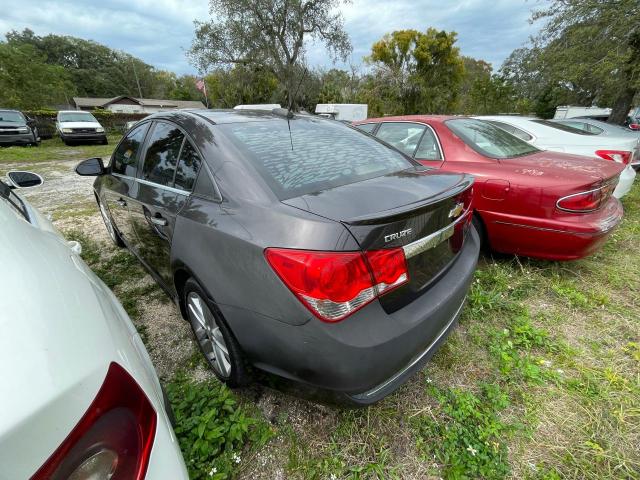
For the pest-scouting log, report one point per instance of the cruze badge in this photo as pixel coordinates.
(457, 210)
(398, 235)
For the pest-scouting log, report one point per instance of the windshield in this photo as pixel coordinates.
(76, 117)
(489, 140)
(564, 128)
(12, 117)
(317, 155)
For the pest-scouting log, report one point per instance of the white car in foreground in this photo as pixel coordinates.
(553, 136)
(79, 397)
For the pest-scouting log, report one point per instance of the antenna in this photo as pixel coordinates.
(291, 98)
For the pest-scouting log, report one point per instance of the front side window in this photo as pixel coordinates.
(188, 167)
(428, 148)
(404, 136)
(489, 140)
(125, 157)
(304, 156)
(163, 150)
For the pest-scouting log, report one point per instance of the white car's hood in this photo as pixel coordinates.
(79, 125)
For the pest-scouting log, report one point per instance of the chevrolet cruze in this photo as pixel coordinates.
(293, 244)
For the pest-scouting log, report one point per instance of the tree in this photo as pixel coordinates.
(587, 53)
(421, 71)
(28, 82)
(269, 34)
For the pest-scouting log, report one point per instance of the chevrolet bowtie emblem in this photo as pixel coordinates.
(457, 210)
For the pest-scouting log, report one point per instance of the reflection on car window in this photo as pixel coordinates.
(404, 136)
(187, 167)
(428, 148)
(315, 156)
(489, 140)
(564, 128)
(125, 158)
(162, 154)
(367, 127)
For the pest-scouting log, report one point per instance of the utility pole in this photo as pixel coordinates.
(135, 74)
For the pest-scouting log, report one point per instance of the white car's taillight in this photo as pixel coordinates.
(620, 156)
(112, 440)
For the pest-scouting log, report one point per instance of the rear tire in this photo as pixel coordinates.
(214, 338)
(482, 233)
(114, 235)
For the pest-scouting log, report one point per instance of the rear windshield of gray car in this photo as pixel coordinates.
(564, 128)
(489, 140)
(315, 155)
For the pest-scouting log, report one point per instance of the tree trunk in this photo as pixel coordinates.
(622, 105)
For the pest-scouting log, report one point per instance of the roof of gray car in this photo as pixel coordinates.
(242, 116)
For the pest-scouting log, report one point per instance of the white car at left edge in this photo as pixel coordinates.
(79, 397)
(548, 135)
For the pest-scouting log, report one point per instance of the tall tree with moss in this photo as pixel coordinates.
(422, 71)
(588, 52)
(270, 34)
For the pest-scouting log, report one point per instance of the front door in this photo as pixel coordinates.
(121, 186)
(163, 186)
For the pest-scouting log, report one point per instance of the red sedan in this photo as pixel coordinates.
(527, 201)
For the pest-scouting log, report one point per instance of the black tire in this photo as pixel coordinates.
(112, 230)
(240, 374)
(482, 233)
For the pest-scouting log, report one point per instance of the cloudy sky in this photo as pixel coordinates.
(159, 31)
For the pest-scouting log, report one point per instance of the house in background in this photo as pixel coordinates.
(126, 104)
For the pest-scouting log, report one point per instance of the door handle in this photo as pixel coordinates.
(162, 222)
(121, 202)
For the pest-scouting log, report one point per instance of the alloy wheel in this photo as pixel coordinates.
(209, 335)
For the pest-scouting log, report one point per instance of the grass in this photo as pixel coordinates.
(53, 149)
(541, 381)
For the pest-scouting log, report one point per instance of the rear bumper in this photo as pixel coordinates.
(369, 354)
(18, 139)
(565, 237)
(625, 183)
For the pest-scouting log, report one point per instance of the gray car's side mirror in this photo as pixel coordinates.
(21, 179)
(91, 167)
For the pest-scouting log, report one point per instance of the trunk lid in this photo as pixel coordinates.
(564, 167)
(423, 211)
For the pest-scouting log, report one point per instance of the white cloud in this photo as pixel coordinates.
(159, 31)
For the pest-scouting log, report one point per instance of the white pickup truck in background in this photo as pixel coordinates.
(344, 112)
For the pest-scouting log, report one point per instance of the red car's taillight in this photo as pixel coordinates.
(113, 439)
(620, 156)
(333, 285)
(588, 201)
(634, 126)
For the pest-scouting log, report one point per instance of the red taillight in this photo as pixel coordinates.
(589, 201)
(620, 156)
(333, 285)
(634, 126)
(113, 439)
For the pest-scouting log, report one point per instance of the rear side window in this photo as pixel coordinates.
(125, 158)
(188, 167)
(162, 154)
(314, 155)
(521, 134)
(367, 127)
(428, 148)
(564, 128)
(404, 136)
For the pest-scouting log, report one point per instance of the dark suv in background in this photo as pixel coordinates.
(17, 129)
(294, 244)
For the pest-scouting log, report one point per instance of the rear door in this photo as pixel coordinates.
(121, 186)
(168, 171)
